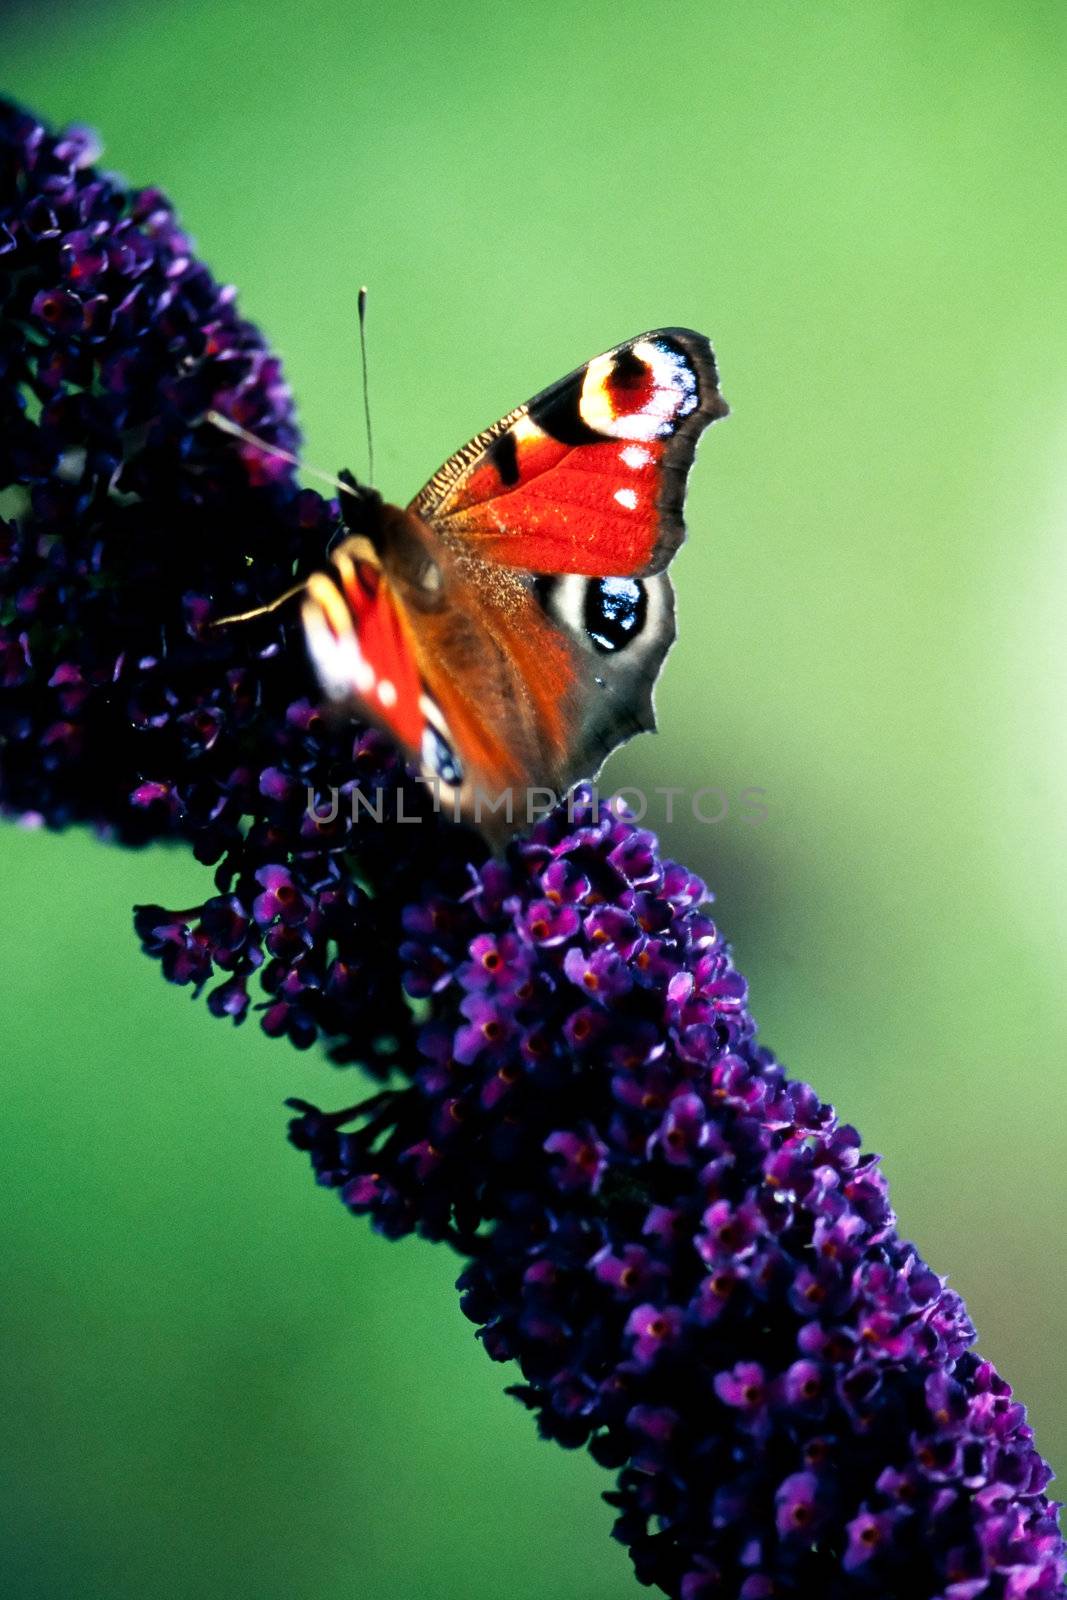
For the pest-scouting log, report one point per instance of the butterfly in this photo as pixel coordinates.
(506, 628)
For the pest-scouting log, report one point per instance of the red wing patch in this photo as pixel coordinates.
(588, 478)
(359, 645)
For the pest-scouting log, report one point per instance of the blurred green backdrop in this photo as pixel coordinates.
(216, 1382)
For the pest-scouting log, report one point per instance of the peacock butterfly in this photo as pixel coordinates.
(508, 626)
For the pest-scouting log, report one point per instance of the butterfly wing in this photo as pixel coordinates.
(589, 477)
(360, 643)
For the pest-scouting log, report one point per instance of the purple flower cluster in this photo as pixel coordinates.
(689, 1257)
(126, 523)
(687, 1254)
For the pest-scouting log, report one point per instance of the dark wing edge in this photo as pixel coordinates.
(682, 445)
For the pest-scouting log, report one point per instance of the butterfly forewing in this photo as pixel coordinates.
(359, 643)
(589, 477)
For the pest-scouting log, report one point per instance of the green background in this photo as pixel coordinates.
(217, 1383)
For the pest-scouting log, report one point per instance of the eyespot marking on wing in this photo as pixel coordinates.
(607, 613)
(438, 755)
(615, 610)
(640, 392)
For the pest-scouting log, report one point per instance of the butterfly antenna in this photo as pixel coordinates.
(362, 304)
(234, 429)
(259, 611)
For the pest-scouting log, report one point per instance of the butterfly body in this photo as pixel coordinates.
(507, 627)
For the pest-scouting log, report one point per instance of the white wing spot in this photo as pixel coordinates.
(387, 693)
(363, 674)
(627, 498)
(635, 455)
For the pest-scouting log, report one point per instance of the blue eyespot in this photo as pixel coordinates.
(439, 758)
(614, 612)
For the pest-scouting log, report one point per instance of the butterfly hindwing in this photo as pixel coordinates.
(533, 682)
(589, 477)
(619, 631)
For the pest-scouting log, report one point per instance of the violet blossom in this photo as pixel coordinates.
(690, 1258)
